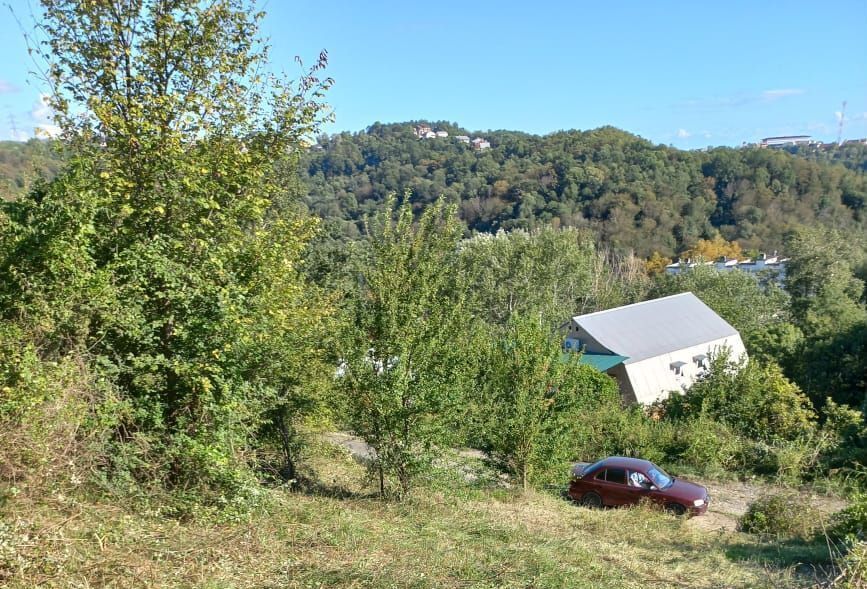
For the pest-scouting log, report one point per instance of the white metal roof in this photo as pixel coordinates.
(656, 327)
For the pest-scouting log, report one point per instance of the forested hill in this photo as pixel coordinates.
(631, 193)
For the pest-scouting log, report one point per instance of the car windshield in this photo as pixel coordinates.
(593, 467)
(659, 477)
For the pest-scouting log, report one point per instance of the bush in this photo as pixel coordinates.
(781, 516)
(756, 401)
(852, 567)
(851, 523)
(613, 431)
(706, 445)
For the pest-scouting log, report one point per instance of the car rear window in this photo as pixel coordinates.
(613, 475)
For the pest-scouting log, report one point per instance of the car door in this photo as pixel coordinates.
(636, 493)
(611, 486)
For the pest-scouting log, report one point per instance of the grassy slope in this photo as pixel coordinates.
(450, 535)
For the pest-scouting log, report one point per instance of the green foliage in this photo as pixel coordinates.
(851, 522)
(755, 400)
(782, 516)
(168, 251)
(537, 400)
(24, 164)
(618, 431)
(757, 309)
(706, 445)
(828, 306)
(405, 365)
(631, 194)
(546, 271)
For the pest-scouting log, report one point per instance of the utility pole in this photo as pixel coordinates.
(13, 126)
(840, 128)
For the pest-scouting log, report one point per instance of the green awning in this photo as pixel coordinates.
(602, 362)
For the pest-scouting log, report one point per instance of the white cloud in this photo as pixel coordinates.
(7, 87)
(772, 95)
(742, 99)
(683, 134)
(851, 116)
(43, 118)
(18, 135)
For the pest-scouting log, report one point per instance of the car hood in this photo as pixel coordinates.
(685, 490)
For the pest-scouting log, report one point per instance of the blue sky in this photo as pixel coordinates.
(690, 74)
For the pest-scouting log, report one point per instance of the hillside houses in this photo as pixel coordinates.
(653, 348)
(424, 131)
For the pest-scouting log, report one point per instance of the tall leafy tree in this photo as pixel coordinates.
(827, 304)
(170, 237)
(537, 400)
(405, 366)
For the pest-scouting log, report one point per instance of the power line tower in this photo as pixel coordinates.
(840, 128)
(13, 126)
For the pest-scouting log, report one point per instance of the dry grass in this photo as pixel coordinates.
(335, 535)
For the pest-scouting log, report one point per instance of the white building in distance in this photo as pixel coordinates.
(775, 265)
(653, 348)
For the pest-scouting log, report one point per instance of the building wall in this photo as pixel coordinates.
(590, 344)
(653, 379)
(626, 392)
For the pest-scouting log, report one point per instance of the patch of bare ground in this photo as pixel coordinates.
(730, 500)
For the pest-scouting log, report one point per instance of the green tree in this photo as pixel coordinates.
(827, 305)
(547, 271)
(405, 366)
(538, 400)
(758, 310)
(756, 400)
(170, 236)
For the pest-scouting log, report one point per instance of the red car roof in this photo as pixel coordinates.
(624, 462)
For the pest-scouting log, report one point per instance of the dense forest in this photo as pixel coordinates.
(632, 194)
(23, 163)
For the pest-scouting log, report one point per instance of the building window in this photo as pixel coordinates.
(700, 361)
(677, 367)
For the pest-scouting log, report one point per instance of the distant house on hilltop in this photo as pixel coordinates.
(463, 138)
(654, 347)
(785, 141)
(442, 134)
(479, 143)
(774, 264)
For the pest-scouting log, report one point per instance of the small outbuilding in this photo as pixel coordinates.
(653, 348)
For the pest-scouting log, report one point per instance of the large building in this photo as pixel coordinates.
(655, 347)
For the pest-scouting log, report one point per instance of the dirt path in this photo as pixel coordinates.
(729, 501)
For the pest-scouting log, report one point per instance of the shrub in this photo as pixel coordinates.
(851, 522)
(784, 515)
(852, 567)
(754, 400)
(705, 444)
(625, 432)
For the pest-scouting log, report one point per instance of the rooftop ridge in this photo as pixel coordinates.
(595, 313)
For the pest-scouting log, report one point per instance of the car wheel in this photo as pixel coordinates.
(591, 500)
(675, 509)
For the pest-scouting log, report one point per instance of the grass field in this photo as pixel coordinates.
(335, 534)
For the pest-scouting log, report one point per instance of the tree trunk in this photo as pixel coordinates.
(288, 471)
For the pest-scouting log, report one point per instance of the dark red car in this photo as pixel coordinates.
(625, 481)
